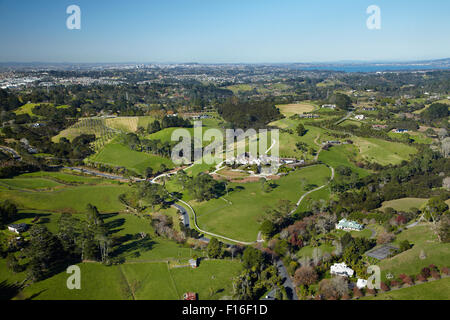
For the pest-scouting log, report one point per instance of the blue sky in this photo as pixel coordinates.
(223, 31)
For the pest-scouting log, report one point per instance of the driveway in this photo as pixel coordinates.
(287, 282)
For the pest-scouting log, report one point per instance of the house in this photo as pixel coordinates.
(329, 106)
(341, 269)
(190, 296)
(359, 117)
(193, 263)
(18, 228)
(345, 224)
(361, 283)
(332, 142)
(400, 130)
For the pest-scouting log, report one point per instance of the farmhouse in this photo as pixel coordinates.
(193, 263)
(341, 269)
(329, 106)
(18, 228)
(345, 224)
(359, 117)
(400, 130)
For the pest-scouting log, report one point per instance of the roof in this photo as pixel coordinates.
(346, 224)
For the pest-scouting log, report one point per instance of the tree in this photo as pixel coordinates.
(305, 275)
(8, 212)
(148, 172)
(404, 245)
(301, 131)
(214, 249)
(153, 127)
(268, 228)
(252, 258)
(44, 251)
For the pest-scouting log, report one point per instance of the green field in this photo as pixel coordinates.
(118, 155)
(404, 204)
(408, 261)
(341, 156)
(383, 152)
(434, 290)
(151, 281)
(48, 191)
(239, 220)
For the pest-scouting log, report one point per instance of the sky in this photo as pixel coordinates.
(223, 31)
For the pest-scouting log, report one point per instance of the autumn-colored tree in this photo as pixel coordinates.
(384, 287)
(305, 275)
(357, 293)
(426, 272)
(444, 270)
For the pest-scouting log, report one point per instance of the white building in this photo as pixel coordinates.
(341, 269)
(345, 224)
(360, 117)
(361, 283)
(329, 106)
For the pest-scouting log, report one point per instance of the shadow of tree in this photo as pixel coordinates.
(8, 290)
(141, 244)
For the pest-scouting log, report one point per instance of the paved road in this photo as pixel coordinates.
(287, 282)
(184, 214)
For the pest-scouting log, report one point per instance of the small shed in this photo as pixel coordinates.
(193, 263)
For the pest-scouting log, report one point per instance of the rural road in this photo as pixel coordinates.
(287, 282)
(297, 205)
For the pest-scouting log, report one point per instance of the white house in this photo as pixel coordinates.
(329, 106)
(345, 224)
(359, 117)
(193, 263)
(361, 283)
(18, 228)
(341, 269)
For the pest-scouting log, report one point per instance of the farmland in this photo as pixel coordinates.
(238, 217)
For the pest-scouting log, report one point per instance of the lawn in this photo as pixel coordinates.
(118, 155)
(296, 108)
(151, 281)
(383, 152)
(69, 199)
(408, 261)
(433, 290)
(240, 220)
(404, 204)
(342, 156)
(28, 108)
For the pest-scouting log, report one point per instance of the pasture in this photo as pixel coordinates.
(422, 238)
(139, 281)
(434, 290)
(296, 108)
(404, 204)
(118, 155)
(239, 217)
(383, 152)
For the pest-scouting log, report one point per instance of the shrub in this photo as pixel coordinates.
(384, 287)
(435, 274)
(426, 272)
(444, 270)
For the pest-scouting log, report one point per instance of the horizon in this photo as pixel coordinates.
(231, 32)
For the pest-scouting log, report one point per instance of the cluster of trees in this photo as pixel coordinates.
(8, 213)
(202, 187)
(249, 114)
(258, 277)
(75, 241)
(8, 100)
